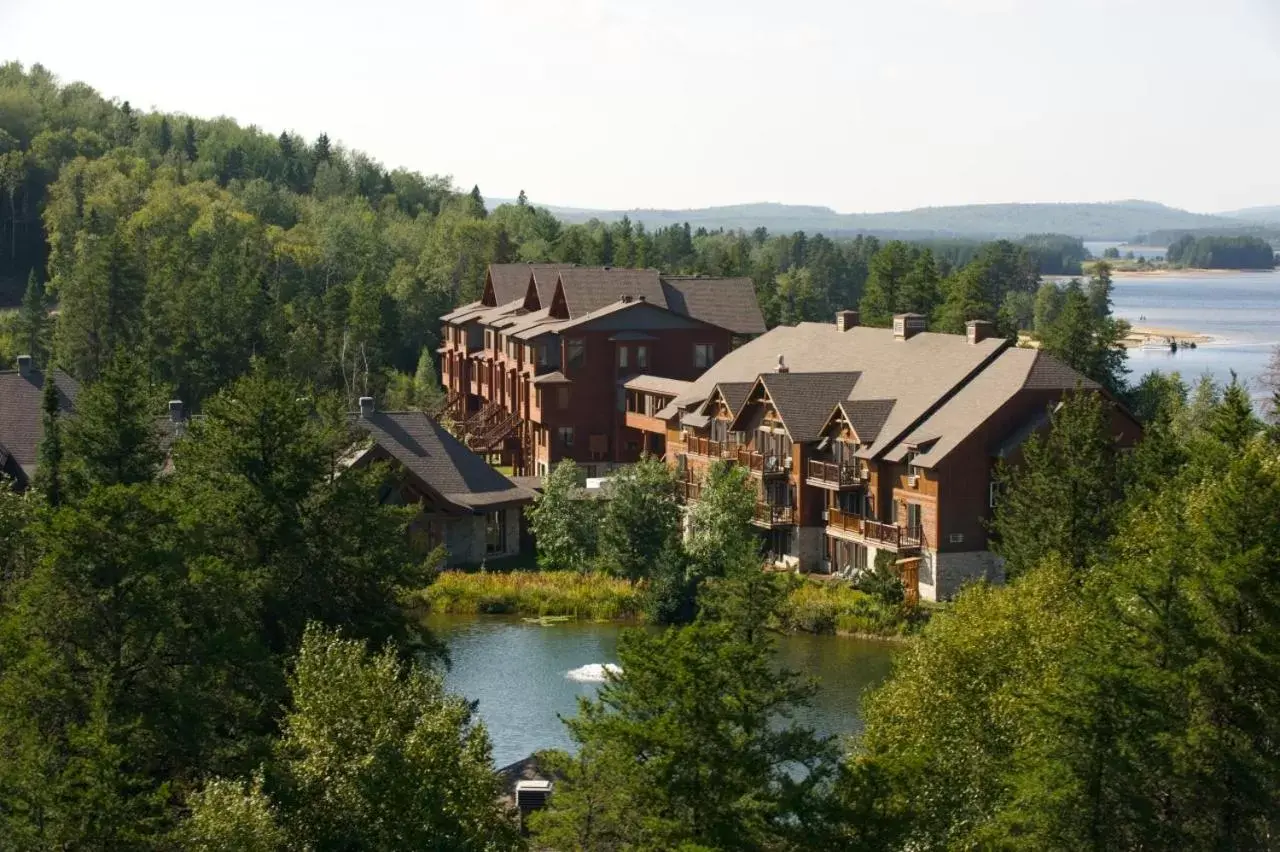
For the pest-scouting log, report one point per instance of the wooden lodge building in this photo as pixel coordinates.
(535, 370)
(866, 440)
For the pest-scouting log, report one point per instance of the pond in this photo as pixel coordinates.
(520, 675)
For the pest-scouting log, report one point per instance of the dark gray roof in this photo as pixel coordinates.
(545, 276)
(21, 419)
(725, 302)
(440, 461)
(867, 417)
(463, 312)
(804, 401)
(734, 394)
(510, 281)
(587, 290)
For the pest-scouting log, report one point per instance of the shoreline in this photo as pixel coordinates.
(1140, 335)
(1186, 271)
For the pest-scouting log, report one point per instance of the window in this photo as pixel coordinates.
(575, 353)
(562, 397)
(912, 470)
(528, 353)
(642, 357)
(542, 354)
(704, 355)
(993, 494)
(488, 340)
(537, 397)
(542, 437)
(914, 520)
(495, 532)
(565, 434)
(622, 357)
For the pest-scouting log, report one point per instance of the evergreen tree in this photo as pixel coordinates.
(965, 299)
(1061, 497)
(1100, 289)
(890, 268)
(920, 291)
(641, 518)
(32, 323)
(1087, 343)
(49, 473)
(165, 140)
(189, 146)
(1232, 421)
(114, 438)
(428, 395)
(1048, 306)
(321, 152)
(477, 203)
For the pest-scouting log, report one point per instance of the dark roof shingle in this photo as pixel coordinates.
(21, 418)
(804, 401)
(587, 290)
(725, 302)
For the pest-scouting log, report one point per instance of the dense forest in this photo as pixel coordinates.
(1222, 252)
(202, 244)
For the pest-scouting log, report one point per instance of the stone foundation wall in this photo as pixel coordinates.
(465, 540)
(943, 575)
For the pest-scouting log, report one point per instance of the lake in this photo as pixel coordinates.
(1240, 310)
(518, 674)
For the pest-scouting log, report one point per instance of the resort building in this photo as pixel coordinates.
(536, 369)
(866, 441)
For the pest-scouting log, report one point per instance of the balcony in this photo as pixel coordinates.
(691, 491)
(710, 448)
(769, 515)
(875, 532)
(763, 464)
(838, 475)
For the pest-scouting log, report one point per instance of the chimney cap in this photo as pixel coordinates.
(175, 410)
(782, 365)
(24, 364)
(366, 406)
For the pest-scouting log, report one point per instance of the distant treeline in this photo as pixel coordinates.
(1270, 233)
(1222, 252)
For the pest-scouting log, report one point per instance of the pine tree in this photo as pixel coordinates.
(477, 203)
(49, 473)
(1100, 290)
(189, 147)
(113, 439)
(889, 270)
(321, 151)
(32, 322)
(165, 142)
(428, 395)
(1232, 421)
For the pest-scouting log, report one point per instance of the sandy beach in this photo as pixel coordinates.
(1140, 335)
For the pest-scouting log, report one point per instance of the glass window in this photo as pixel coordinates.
(622, 357)
(642, 357)
(542, 354)
(566, 436)
(495, 532)
(575, 353)
(562, 396)
(704, 355)
(914, 518)
(537, 397)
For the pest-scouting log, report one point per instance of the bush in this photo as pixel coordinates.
(815, 607)
(533, 593)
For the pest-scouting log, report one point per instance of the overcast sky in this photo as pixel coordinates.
(852, 104)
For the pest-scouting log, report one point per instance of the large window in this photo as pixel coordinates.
(704, 355)
(622, 358)
(914, 520)
(642, 357)
(495, 532)
(575, 353)
(565, 434)
(542, 354)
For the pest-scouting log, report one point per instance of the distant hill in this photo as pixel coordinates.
(1269, 215)
(1116, 220)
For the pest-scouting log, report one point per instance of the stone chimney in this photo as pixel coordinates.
(366, 406)
(907, 326)
(782, 366)
(24, 365)
(175, 410)
(846, 320)
(978, 330)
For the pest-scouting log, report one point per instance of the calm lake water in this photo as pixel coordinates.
(1240, 310)
(518, 674)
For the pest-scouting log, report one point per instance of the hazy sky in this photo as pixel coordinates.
(857, 105)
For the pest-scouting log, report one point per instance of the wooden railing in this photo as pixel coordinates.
(770, 515)
(766, 464)
(842, 474)
(711, 448)
(877, 531)
(691, 491)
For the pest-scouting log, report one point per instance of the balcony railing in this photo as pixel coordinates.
(765, 464)
(711, 448)
(691, 491)
(769, 515)
(876, 531)
(838, 474)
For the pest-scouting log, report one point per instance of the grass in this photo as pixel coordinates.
(819, 607)
(593, 597)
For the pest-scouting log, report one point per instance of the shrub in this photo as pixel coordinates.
(816, 607)
(533, 593)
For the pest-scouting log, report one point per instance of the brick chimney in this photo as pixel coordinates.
(24, 365)
(175, 410)
(846, 320)
(782, 366)
(907, 326)
(978, 330)
(366, 406)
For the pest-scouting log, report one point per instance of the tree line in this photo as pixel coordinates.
(1239, 252)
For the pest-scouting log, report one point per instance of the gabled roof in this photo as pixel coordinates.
(803, 400)
(439, 461)
(725, 302)
(866, 417)
(545, 276)
(465, 312)
(1014, 371)
(734, 395)
(587, 290)
(919, 373)
(21, 418)
(509, 281)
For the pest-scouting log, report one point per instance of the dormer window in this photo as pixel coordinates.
(912, 468)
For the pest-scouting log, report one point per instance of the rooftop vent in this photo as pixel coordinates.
(24, 365)
(846, 320)
(907, 326)
(782, 366)
(366, 406)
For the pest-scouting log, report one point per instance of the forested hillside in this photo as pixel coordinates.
(201, 245)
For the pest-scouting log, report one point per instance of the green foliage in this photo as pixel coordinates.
(563, 521)
(1086, 340)
(231, 816)
(693, 743)
(641, 518)
(32, 325)
(718, 538)
(1222, 252)
(375, 755)
(49, 471)
(816, 607)
(1061, 498)
(533, 593)
(113, 438)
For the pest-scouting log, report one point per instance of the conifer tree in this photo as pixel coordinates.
(427, 392)
(1232, 421)
(189, 147)
(477, 203)
(32, 322)
(165, 141)
(321, 151)
(49, 473)
(114, 438)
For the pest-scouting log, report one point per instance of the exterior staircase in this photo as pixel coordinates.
(490, 438)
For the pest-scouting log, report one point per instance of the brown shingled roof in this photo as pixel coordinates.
(21, 418)
(803, 400)
(725, 302)
(587, 290)
(440, 461)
